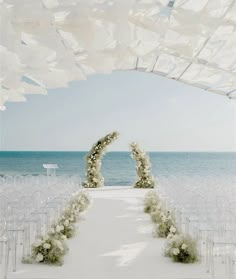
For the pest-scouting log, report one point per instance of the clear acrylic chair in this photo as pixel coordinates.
(4, 243)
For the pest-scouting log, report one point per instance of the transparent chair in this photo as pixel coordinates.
(4, 243)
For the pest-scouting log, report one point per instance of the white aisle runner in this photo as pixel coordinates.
(114, 241)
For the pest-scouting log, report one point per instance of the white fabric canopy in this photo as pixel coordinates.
(48, 43)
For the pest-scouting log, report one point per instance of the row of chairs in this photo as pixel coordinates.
(28, 205)
(205, 209)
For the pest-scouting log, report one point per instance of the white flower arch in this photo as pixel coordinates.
(144, 177)
(94, 178)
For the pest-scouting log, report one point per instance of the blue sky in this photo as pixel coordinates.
(160, 114)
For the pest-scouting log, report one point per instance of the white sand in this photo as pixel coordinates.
(114, 241)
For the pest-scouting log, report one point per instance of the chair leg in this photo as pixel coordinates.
(28, 239)
(6, 260)
(23, 244)
(212, 261)
(13, 251)
(1, 252)
(207, 255)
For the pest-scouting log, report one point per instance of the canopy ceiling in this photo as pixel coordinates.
(48, 43)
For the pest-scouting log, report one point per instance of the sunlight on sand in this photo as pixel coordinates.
(127, 253)
(125, 216)
(145, 229)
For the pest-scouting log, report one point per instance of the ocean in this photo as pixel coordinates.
(118, 168)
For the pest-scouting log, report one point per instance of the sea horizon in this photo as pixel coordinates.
(148, 151)
(118, 168)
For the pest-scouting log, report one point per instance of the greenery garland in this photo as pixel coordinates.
(51, 247)
(93, 176)
(179, 247)
(144, 178)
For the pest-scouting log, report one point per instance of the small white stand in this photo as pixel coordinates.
(51, 171)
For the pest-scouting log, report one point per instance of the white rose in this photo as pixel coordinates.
(71, 218)
(176, 238)
(172, 229)
(66, 223)
(184, 246)
(63, 237)
(164, 219)
(46, 237)
(37, 244)
(52, 230)
(46, 246)
(58, 228)
(169, 236)
(39, 257)
(175, 251)
(59, 245)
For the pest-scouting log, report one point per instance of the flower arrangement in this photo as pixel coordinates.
(51, 248)
(93, 161)
(163, 219)
(63, 229)
(165, 226)
(81, 201)
(181, 248)
(144, 178)
(151, 202)
(156, 214)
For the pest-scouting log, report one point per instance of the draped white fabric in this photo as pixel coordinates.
(48, 43)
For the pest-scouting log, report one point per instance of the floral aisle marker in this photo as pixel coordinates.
(51, 248)
(65, 225)
(165, 226)
(161, 217)
(144, 177)
(179, 247)
(93, 166)
(151, 202)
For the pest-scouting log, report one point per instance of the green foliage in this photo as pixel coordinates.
(51, 248)
(93, 161)
(144, 178)
(151, 202)
(49, 251)
(181, 248)
(165, 226)
(156, 214)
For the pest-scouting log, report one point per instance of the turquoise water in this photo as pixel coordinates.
(119, 169)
